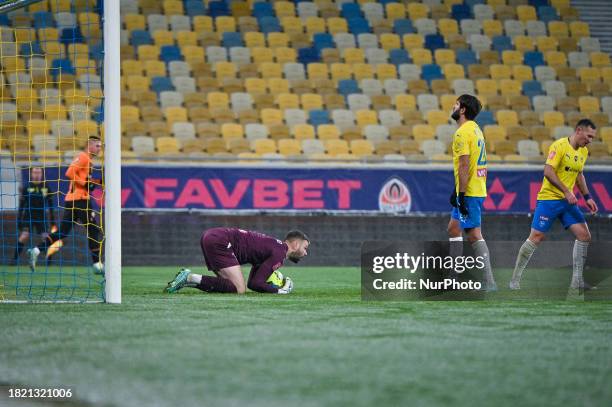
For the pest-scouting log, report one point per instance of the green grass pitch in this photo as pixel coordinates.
(321, 345)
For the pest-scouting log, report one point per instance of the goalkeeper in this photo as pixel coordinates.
(35, 210)
(78, 206)
(225, 249)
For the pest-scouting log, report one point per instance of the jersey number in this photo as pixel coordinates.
(482, 158)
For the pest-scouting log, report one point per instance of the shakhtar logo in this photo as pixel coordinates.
(394, 196)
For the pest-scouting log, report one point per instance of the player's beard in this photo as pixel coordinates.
(294, 257)
(455, 115)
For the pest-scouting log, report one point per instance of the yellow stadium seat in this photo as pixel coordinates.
(366, 117)
(262, 55)
(264, 146)
(130, 114)
(289, 147)
(154, 68)
(486, 87)
(193, 53)
(606, 74)
(600, 59)
(38, 126)
(217, 100)
(256, 86)
(522, 73)
(560, 3)
(315, 25)
(498, 71)
(545, 43)
(86, 128)
(286, 101)
(553, 119)
(353, 56)
(494, 133)
(224, 70)
(60, 6)
(510, 57)
(303, 131)
(270, 70)
(453, 71)
(588, 104)
(167, 145)
(447, 102)
(225, 24)
(444, 56)
(341, 71)
(254, 39)
(492, 28)
(423, 132)
(510, 87)
(361, 147)
(524, 43)
(337, 25)
(232, 131)
(589, 74)
(185, 38)
(395, 11)
(405, 102)
(417, 11)
(555, 59)
(131, 67)
(328, 132)
(386, 71)
(48, 34)
(311, 101)
(148, 52)
(448, 26)
(277, 86)
(389, 41)
(271, 116)
(173, 7)
(421, 56)
(558, 29)
(134, 22)
(526, 13)
(437, 117)
(579, 29)
(292, 24)
(163, 37)
(335, 147)
(412, 41)
(137, 82)
(284, 8)
(276, 40)
(507, 118)
(317, 71)
(285, 55)
(202, 24)
(175, 114)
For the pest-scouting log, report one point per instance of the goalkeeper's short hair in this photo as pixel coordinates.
(296, 234)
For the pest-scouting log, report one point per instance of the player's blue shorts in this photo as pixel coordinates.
(474, 205)
(546, 212)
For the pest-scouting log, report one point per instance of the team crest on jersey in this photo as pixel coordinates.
(394, 196)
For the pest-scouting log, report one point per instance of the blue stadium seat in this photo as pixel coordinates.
(71, 36)
(351, 10)
(472, 3)
(269, 24)
(308, 55)
(170, 53)
(358, 26)
(461, 12)
(98, 114)
(63, 66)
(466, 57)
(319, 117)
(141, 37)
(218, 8)
(43, 19)
(538, 3)
(431, 72)
(195, 8)
(96, 51)
(403, 26)
(232, 39)
(485, 118)
(532, 88)
(161, 84)
(502, 43)
(347, 87)
(547, 14)
(322, 41)
(31, 48)
(399, 56)
(434, 42)
(533, 59)
(385, 2)
(4, 20)
(261, 9)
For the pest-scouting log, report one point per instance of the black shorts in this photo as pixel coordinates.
(80, 211)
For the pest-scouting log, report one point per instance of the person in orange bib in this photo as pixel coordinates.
(78, 207)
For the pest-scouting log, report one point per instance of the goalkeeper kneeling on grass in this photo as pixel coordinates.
(225, 249)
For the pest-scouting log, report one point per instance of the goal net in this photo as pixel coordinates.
(51, 112)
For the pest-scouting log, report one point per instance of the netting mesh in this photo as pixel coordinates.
(51, 188)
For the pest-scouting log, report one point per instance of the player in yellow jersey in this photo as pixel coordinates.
(470, 170)
(556, 200)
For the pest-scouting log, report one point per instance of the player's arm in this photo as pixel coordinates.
(258, 278)
(584, 190)
(463, 171)
(76, 173)
(552, 177)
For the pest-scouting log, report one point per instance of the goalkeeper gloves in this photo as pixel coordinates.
(287, 288)
(461, 205)
(453, 199)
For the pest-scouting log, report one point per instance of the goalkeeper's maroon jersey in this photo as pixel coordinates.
(227, 247)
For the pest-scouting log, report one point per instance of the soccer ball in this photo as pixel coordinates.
(276, 279)
(98, 268)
